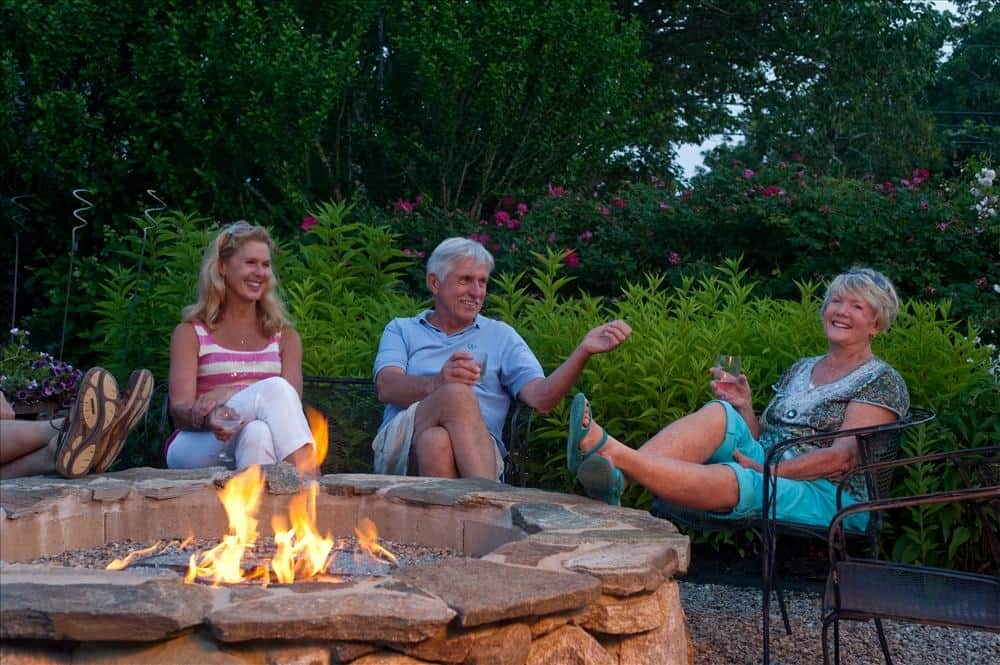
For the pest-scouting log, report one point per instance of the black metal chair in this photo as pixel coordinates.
(865, 588)
(875, 444)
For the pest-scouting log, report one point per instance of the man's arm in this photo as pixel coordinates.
(543, 394)
(394, 386)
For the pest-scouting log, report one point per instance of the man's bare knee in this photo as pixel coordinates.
(451, 404)
(434, 453)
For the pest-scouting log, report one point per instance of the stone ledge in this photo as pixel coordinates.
(554, 567)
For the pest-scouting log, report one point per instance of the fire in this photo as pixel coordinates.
(241, 499)
(368, 540)
(121, 564)
(300, 550)
(320, 431)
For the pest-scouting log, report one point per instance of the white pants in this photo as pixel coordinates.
(275, 428)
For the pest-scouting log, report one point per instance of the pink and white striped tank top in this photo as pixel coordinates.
(218, 366)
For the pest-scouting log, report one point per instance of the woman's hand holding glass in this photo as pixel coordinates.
(225, 422)
(730, 384)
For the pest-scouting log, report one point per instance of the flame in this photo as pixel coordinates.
(321, 438)
(301, 550)
(120, 564)
(368, 540)
(241, 499)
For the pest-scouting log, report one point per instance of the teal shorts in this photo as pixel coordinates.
(804, 501)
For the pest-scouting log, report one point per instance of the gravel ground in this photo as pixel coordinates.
(725, 627)
(99, 557)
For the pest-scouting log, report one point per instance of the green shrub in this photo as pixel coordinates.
(786, 223)
(341, 280)
(661, 374)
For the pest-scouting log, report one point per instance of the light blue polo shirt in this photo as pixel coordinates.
(420, 349)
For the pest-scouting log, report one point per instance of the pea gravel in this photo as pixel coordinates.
(725, 624)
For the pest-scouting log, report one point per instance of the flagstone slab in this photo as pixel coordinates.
(43, 602)
(536, 517)
(442, 492)
(483, 591)
(626, 569)
(358, 613)
(361, 484)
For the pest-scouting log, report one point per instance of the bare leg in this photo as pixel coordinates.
(21, 437)
(453, 409)
(693, 438)
(682, 481)
(39, 461)
(301, 458)
(433, 453)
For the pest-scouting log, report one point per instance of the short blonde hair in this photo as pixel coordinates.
(871, 285)
(271, 314)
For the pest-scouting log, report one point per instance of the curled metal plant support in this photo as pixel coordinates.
(78, 215)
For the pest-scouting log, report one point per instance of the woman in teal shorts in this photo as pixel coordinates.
(711, 460)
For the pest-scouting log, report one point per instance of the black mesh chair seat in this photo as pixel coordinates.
(870, 588)
(860, 588)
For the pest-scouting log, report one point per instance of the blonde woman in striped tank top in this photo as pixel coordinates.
(236, 351)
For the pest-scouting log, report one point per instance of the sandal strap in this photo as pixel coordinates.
(597, 446)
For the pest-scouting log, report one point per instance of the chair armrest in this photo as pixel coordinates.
(835, 537)
(963, 458)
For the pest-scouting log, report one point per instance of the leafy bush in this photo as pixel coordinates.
(342, 278)
(661, 374)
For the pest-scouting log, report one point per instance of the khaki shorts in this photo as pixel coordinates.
(392, 445)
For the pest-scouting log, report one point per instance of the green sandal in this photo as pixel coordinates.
(577, 433)
(601, 480)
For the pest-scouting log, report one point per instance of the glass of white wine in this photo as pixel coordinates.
(229, 419)
(731, 366)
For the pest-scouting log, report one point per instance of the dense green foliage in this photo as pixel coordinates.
(342, 283)
(788, 222)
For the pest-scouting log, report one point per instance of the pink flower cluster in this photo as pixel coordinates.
(409, 251)
(308, 223)
(918, 176)
(407, 207)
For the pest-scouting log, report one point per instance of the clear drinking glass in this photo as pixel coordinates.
(731, 365)
(483, 359)
(229, 419)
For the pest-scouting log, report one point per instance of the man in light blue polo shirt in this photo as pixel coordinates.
(447, 375)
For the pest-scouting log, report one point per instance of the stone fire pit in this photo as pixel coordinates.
(546, 578)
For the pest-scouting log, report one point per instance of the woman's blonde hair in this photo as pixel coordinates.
(271, 314)
(871, 285)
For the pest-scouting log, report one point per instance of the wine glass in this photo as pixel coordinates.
(229, 419)
(731, 366)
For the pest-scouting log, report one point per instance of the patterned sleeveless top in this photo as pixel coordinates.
(219, 366)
